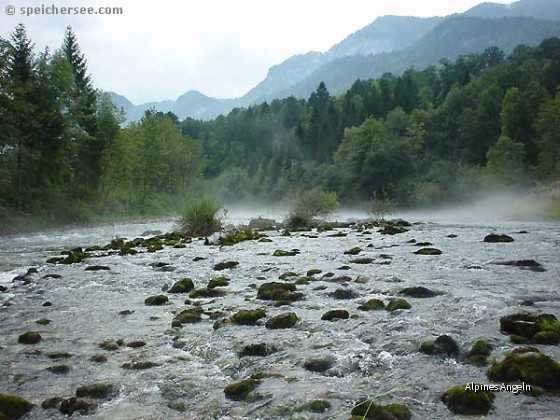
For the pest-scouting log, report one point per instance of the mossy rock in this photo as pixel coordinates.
(139, 365)
(303, 280)
(205, 293)
(189, 316)
(319, 364)
(479, 352)
(98, 390)
(313, 271)
(344, 294)
(248, 316)
(43, 321)
(98, 358)
(278, 291)
(392, 230)
(30, 337)
(363, 260)
(258, 349)
(243, 233)
(397, 303)
(497, 238)
(335, 314)
(265, 240)
(59, 369)
(287, 275)
(528, 325)
(546, 337)
(353, 251)
(315, 406)
(284, 253)
(220, 281)
(71, 405)
(369, 409)
(97, 268)
(418, 292)
(444, 345)
(14, 407)
(530, 367)
(517, 339)
(372, 305)
(182, 286)
(463, 399)
(225, 265)
(262, 223)
(50, 403)
(428, 251)
(177, 406)
(109, 345)
(156, 300)
(286, 320)
(239, 391)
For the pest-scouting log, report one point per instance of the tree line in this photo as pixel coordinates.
(419, 138)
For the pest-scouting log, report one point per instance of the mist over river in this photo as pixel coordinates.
(371, 354)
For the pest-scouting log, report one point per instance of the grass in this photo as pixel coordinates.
(200, 217)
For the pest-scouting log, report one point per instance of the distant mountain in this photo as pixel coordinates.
(451, 38)
(538, 9)
(389, 44)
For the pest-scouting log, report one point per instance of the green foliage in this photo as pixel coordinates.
(380, 205)
(201, 217)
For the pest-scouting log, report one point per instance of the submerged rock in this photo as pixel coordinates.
(528, 366)
(319, 364)
(220, 281)
(59, 369)
(444, 344)
(260, 349)
(99, 390)
(205, 293)
(50, 403)
(353, 251)
(315, 406)
(363, 260)
(139, 365)
(225, 265)
(14, 407)
(525, 264)
(182, 286)
(109, 345)
(335, 314)
(189, 316)
(157, 300)
(97, 268)
(239, 391)
(98, 358)
(419, 292)
(369, 409)
(397, 303)
(286, 320)
(71, 405)
(283, 253)
(30, 337)
(287, 275)
(313, 271)
(278, 291)
(43, 321)
(248, 316)
(372, 305)
(497, 238)
(392, 230)
(344, 294)
(479, 352)
(428, 251)
(464, 399)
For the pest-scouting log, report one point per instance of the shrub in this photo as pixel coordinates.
(380, 205)
(310, 204)
(201, 218)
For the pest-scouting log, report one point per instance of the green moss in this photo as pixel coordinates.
(372, 305)
(43, 321)
(177, 406)
(244, 233)
(517, 339)
(530, 367)
(353, 251)
(368, 409)
(303, 280)
(157, 300)
(30, 337)
(540, 329)
(220, 281)
(286, 320)
(205, 293)
(397, 303)
(239, 391)
(287, 275)
(363, 260)
(463, 399)
(278, 291)
(428, 251)
(497, 238)
(315, 406)
(13, 406)
(392, 230)
(335, 314)
(479, 352)
(189, 316)
(248, 316)
(313, 271)
(283, 253)
(182, 286)
(546, 337)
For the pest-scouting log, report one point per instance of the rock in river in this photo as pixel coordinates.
(286, 320)
(464, 399)
(14, 407)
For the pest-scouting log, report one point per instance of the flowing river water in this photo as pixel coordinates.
(371, 354)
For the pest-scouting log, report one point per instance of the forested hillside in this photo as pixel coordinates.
(421, 138)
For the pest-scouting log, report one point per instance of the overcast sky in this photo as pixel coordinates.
(158, 50)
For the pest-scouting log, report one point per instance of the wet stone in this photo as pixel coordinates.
(497, 238)
(335, 314)
(239, 391)
(396, 303)
(139, 365)
(344, 294)
(372, 305)
(136, 344)
(444, 345)
(225, 265)
(463, 399)
(98, 358)
(428, 251)
(182, 286)
(71, 405)
(98, 390)
(259, 349)
(369, 409)
(418, 292)
(30, 337)
(286, 320)
(14, 407)
(319, 364)
(156, 300)
(51, 403)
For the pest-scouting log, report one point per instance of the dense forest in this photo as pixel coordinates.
(420, 138)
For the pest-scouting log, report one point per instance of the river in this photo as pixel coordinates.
(371, 354)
